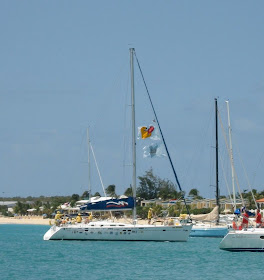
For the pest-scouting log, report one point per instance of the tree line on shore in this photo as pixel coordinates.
(150, 187)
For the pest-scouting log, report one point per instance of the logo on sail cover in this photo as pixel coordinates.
(116, 204)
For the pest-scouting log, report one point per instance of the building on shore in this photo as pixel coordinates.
(226, 206)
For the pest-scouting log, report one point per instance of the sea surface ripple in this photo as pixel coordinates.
(24, 255)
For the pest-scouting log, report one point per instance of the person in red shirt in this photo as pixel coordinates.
(245, 219)
(258, 219)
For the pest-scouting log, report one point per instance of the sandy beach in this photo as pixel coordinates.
(33, 220)
(38, 220)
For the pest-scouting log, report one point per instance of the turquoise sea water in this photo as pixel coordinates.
(24, 255)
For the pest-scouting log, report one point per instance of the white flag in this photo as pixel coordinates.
(154, 150)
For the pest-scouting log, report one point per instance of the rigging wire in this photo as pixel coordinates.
(260, 159)
(98, 171)
(200, 150)
(156, 118)
(249, 185)
(227, 185)
(229, 153)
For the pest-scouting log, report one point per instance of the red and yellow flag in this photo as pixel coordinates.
(146, 132)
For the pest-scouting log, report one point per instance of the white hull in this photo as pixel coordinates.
(118, 232)
(251, 239)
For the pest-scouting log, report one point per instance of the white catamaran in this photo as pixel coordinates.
(107, 230)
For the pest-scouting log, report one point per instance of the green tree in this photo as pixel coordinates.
(85, 195)
(148, 185)
(75, 197)
(97, 194)
(151, 186)
(157, 210)
(3, 210)
(142, 212)
(47, 209)
(249, 197)
(21, 208)
(37, 204)
(194, 193)
(129, 191)
(167, 190)
(56, 201)
(176, 210)
(110, 190)
(261, 194)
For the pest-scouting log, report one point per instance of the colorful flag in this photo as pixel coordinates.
(146, 132)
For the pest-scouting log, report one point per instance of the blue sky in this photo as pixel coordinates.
(64, 66)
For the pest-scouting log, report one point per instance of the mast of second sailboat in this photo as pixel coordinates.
(216, 160)
(231, 155)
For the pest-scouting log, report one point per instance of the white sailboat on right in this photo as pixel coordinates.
(243, 239)
(248, 239)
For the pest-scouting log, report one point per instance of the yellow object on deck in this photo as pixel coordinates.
(78, 219)
(150, 213)
(183, 216)
(58, 216)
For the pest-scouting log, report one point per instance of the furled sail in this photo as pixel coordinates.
(210, 217)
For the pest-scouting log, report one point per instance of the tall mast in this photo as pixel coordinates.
(216, 160)
(231, 155)
(89, 165)
(132, 50)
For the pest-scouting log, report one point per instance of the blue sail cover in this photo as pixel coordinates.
(238, 212)
(112, 204)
